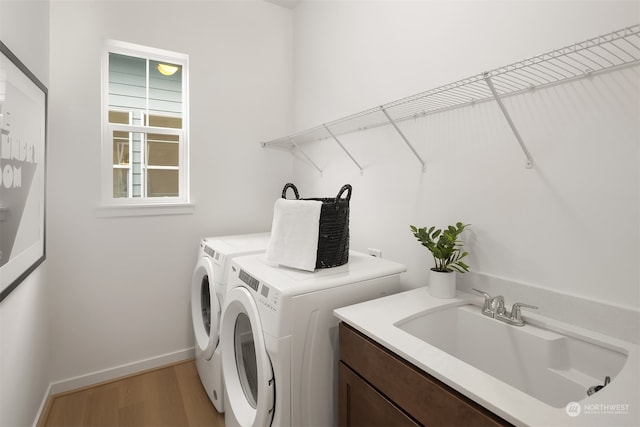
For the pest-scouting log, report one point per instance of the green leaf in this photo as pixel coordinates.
(444, 246)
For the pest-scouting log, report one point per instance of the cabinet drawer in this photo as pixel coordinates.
(363, 405)
(425, 398)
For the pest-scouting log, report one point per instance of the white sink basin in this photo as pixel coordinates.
(534, 376)
(550, 366)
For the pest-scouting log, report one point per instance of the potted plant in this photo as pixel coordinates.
(447, 253)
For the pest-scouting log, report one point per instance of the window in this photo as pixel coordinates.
(145, 144)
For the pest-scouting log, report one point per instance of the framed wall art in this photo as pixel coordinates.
(23, 127)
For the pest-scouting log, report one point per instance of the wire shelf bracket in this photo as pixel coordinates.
(507, 116)
(295, 146)
(404, 138)
(343, 148)
(612, 51)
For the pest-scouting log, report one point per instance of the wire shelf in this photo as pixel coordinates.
(610, 51)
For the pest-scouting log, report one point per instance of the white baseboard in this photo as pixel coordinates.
(43, 405)
(112, 374)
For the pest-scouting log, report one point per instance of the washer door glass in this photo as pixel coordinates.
(205, 309)
(246, 366)
(246, 358)
(205, 304)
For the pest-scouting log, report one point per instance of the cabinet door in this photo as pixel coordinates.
(422, 397)
(361, 405)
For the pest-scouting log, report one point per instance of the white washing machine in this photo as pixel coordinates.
(279, 337)
(208, 290)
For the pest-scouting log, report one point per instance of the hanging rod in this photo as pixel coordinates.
(607, 52)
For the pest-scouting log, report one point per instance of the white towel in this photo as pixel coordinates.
(294, 234)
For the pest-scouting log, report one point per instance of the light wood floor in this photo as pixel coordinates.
(171, 396)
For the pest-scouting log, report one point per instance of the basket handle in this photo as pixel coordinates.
(286, 187)
(346, 187)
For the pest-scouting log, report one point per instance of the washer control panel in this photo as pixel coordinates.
(264, 295)
(251, 281)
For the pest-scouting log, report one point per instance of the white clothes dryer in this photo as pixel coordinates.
(279, 337)
(208, 290)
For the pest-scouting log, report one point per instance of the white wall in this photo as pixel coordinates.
(24, 314)
(570, 224)
(117, 288)
(121, 285)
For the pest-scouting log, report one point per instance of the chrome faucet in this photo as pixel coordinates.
(497, 306)
(491, 305)
(494, 307)
(486, 306)
(515, 316)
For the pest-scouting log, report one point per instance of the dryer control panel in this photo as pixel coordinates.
(264, 295)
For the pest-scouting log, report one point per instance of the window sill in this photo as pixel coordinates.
(112, 211)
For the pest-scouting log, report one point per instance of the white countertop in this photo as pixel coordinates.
(618, 404)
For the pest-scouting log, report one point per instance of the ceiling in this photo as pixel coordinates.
(289, 4)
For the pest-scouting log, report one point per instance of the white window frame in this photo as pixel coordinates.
(126, 206)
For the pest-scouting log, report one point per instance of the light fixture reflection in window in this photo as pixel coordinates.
(167, 69)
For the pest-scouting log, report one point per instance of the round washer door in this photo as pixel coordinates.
(246, 366)
(205, 308)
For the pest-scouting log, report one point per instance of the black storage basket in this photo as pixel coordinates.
(333, 237)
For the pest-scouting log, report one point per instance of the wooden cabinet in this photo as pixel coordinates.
(378, 388)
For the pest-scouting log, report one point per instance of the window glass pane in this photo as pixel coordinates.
(165, 122)
(162, 150)
(162, 183)
(165, 89)
(120, 182)
(127, 82)
(120, 148)
(137, 162)
(119, 117)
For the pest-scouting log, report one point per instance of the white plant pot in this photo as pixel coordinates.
(441, 284)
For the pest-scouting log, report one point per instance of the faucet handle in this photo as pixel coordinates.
(486, 306)
(483, 293)
(499, 309)
(516, 315)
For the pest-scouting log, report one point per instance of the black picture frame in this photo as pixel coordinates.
(23, 145)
